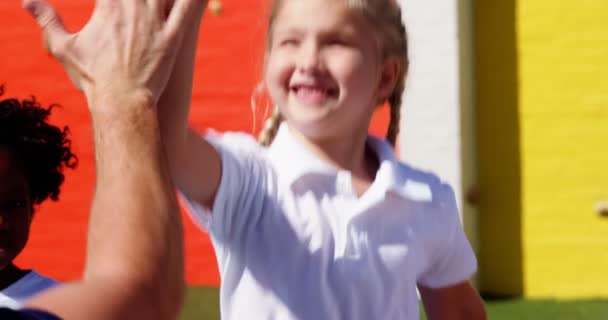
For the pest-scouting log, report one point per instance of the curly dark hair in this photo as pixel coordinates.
(42, 151)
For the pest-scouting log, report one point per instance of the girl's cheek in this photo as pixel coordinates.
(280, 70)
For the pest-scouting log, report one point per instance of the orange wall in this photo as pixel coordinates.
(228, 68)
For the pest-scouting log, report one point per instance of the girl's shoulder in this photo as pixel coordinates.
(425, 184)
(412, 182)
(240, 146)
(233, 140)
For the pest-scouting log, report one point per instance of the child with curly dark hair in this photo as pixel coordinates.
(33, 156)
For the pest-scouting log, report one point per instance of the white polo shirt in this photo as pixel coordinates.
(293, 240)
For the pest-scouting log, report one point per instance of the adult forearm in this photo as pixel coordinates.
(135, 229)
(121, 59)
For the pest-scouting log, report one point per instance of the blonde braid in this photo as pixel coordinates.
(395, 45)
(271, 126)
(395, 118)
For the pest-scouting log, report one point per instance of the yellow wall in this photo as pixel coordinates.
(563, 56)
(543, 95)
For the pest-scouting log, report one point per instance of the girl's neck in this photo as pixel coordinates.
(350, 153)
(10, 274)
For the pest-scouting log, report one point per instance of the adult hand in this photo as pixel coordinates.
(128, 47)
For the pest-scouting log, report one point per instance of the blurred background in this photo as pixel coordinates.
(507, 100)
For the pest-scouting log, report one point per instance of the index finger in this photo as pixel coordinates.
(182, 12)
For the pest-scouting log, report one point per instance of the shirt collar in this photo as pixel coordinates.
(397, 177)
(295, 161)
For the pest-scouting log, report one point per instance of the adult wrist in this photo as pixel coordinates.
(121, 105)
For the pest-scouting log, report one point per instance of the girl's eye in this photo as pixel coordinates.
(288, 42)
(338, 41)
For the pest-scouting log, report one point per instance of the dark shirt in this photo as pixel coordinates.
(26, 314)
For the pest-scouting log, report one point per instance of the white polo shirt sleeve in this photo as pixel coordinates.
(453, 260)
(239, 199)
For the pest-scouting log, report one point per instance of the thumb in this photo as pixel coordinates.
(50, 22)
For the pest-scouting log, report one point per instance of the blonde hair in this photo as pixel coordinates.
(271, 126)
(385, 16)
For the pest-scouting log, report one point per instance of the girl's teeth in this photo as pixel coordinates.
(312, 95)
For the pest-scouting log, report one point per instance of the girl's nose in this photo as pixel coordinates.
(309, 58)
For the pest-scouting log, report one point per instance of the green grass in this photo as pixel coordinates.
(547, 310)
(203, 304)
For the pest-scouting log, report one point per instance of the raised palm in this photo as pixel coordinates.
(126, 46)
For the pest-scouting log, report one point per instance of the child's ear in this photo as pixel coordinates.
(390, 69)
